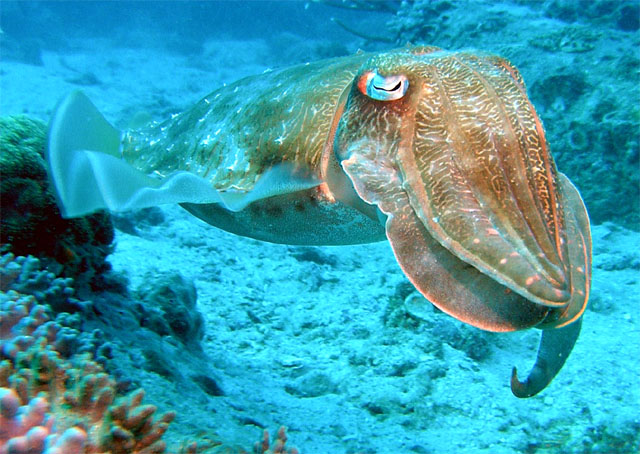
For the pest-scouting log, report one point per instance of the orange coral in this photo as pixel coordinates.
(264, 446)
(53, 405)
(67, 405)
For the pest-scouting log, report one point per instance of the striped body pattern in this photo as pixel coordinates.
(441, 153)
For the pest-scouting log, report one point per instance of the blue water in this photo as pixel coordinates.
(334, 342)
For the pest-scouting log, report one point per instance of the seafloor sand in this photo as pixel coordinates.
(321, 342)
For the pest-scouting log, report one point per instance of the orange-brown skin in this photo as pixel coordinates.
(460, 163)
(457, 168)
(477, 215)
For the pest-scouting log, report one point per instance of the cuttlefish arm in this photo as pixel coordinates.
(563, 325)
(450, 149)
(554, 349)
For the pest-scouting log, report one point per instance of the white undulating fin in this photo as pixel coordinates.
(83, 155)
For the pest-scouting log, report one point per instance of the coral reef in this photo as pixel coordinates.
(31, 219)
(25, 275)
(167, 308)
(54, 405)
(58, 393)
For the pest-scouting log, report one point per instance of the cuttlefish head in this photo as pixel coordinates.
(450, 150)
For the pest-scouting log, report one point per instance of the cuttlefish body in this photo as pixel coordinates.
(441, 152)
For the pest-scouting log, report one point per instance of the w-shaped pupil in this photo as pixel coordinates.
(388, 89)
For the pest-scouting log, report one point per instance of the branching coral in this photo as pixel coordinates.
(264, 446)
(52, 398)
(49, 404)
(55, 398)
(25, 275)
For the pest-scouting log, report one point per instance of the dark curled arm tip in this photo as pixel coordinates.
(522, 389)
(555, 346)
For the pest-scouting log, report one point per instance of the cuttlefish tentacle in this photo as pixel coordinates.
(555, 347)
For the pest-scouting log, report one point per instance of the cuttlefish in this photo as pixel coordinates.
(441, 153)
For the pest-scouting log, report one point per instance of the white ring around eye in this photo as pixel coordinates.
(385, 88)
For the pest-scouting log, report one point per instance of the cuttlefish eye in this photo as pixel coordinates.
(383, 88)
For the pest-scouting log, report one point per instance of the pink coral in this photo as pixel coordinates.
(51, 405)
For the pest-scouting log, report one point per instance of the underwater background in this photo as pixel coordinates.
(229, 336)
